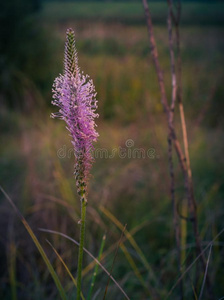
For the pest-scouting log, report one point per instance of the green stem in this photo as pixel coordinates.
(81, 245)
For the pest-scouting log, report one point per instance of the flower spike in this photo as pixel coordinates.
(74, 94)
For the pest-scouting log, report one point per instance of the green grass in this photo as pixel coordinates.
(134, 191)
(123, 186)
(132, 12)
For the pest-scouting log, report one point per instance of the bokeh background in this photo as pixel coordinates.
(113, 48)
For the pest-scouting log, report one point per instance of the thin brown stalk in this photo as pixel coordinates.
(160, 77)
(176, 222)
(176, 20)
(172, 60)
(189, 181)
(172, 107)
(170, 116)
(155, 57)
(183, 157)
(179, 88)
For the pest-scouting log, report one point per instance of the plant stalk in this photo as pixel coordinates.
(82, 238)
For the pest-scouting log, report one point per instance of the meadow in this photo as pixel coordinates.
(37, 165)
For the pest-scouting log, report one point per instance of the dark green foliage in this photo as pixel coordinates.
(12, 16)
(204, 13)
(24, 55)
(215, 107)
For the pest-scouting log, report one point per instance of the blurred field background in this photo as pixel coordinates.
(113, 48)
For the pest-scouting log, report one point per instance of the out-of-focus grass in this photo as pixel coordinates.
(124, 75)
(134, 190)
(207, 13)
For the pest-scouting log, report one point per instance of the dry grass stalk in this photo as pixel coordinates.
(183, 157)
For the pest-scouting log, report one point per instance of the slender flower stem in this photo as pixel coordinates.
(74, 94)
(82, 238)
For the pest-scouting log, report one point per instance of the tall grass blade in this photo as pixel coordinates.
(96, 268)
(66, 267)
(64, 185)
(112, 247)
(96, 294)
(115, 256)
(132, 242)
(39, 247)
(206, 271)
(193, 288)
(90, 254)
(12, 269)
(191, 265)
(135, 269)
